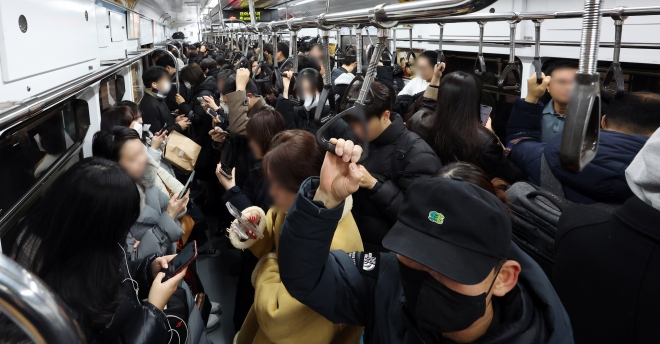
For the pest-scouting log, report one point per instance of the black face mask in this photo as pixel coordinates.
(437, 309)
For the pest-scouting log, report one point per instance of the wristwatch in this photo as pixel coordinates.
(374, 186)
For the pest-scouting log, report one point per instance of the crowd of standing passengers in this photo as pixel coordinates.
(411, 245)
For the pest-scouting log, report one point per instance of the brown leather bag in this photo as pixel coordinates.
(186, 221)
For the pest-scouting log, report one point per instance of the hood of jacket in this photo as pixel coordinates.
(604, 179)
(533, 312)
(643, 174)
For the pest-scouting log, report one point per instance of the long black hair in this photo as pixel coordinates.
(455, 129)
(71, 241)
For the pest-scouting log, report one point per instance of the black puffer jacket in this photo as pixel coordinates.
(376, 210)
(344, 288)
(156, 113)
(297, 117)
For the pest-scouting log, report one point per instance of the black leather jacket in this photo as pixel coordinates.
(135, 323)
(493, 160)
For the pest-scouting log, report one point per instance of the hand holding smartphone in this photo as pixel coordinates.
(484, 114)
(187, 186)
(181, 261)
(242, 225)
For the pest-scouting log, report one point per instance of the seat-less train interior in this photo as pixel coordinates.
(329, 171)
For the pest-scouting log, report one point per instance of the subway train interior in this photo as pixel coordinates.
(496, 164)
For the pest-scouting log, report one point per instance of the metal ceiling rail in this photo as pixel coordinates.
(388, 13)
(627, 11)
(42, 102)
(437, 11)
(529, 43)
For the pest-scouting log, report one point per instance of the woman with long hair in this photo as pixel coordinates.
(74, 242)
(157, 229)
(458, 135)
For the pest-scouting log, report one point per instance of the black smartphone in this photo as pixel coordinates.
(181, 261)
(187, 186)
(226, 170)
(484, 113)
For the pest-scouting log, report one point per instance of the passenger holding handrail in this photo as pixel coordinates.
(397, 159)
(628, 122)
(559, 88)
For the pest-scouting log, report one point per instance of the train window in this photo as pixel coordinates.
(136, 75)
(33, 151)
(111, 91)
(636, 76)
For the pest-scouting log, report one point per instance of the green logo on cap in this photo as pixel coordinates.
(436, 217)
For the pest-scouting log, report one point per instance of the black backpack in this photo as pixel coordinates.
(178, 35)
(535, 216)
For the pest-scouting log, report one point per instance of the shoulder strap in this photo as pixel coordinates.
(169, 191)
(548, 180)
(402, 148)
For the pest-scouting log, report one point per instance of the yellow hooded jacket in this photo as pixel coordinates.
(277, 317)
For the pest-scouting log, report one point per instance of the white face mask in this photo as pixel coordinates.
(187, 85)
(164, 91)
(311, 102)
(138, 127)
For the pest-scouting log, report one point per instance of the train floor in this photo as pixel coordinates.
(219, 284)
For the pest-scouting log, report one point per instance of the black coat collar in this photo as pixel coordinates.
(392, 133)
(640, 217)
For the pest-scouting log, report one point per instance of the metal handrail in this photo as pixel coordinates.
(581, 135)
(34, 308)
(48, 99)
(437, 12)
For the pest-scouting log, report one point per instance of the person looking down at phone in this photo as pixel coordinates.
(397, 158)
(260, 130)
(309, 84)
(275, 316)
(201, 122)
(453, 276)
(153, 107)
(156, 229)
(82, 221)
(457, 133)
(242, 97)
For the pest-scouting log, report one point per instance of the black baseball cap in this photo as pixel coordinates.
(455, 228)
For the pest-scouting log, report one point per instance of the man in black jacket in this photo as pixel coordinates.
(397, 158)
(456, 277)
(153, 107)
(606, 269)
(168, 63)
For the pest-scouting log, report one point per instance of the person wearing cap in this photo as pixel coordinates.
(453, 276)
(606, 265)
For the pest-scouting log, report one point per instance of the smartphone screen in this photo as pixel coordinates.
(243, 224)
(183, 259)
(187, 186)
(485, 112)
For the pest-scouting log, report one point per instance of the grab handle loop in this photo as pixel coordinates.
(615, 71)
(511, 67)
(581, 134)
